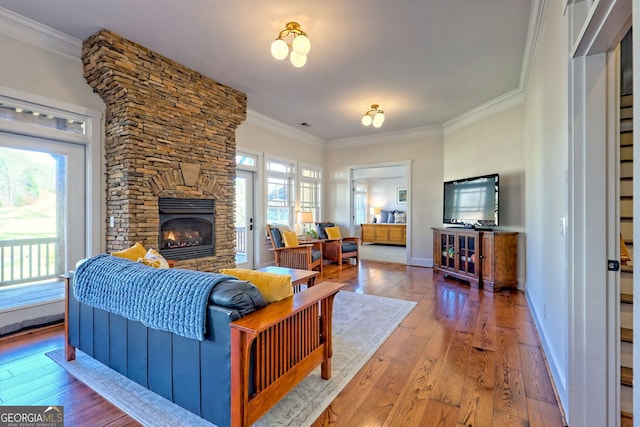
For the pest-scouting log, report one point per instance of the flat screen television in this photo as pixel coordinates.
(472, 202)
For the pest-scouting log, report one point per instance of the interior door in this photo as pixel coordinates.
(245, 230)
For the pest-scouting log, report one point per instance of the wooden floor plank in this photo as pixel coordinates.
(543, 414)
(485, 333)
(534, 370)
(507, 350)
(395, 386)
(439, 414)
(509, 396)
(410, 406)
(450, 382)
(476, 404)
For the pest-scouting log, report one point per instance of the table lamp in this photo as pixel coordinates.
(305, 218)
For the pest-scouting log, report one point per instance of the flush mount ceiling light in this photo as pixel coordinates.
(374, 116)
(299, 45)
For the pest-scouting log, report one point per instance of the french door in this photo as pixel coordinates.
(42, 208)
(245, 223)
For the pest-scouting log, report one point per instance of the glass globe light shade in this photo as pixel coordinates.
(297, 60)
(378, 119)
(366, 120)
(301, 45)
(279, 49)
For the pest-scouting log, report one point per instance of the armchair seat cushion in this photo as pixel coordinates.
(349, 247)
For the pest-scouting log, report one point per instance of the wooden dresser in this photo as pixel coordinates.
(388, 234)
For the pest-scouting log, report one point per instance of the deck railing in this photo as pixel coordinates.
(29, 260)
(241, 239)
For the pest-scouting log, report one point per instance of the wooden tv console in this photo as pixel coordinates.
(486, 259)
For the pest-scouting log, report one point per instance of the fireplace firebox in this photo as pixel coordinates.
(186, 228)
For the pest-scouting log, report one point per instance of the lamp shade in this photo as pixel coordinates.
(378, 119)
(305, 217)
(297, 60)
(301, 45)
(366, 120)
(279, 49)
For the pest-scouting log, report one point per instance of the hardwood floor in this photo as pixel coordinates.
(462, 357)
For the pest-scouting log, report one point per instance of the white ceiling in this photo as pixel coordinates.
(425, 62)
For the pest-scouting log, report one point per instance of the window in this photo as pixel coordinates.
(280, 196)
(359, 203)
(310, 180)
(246, 161)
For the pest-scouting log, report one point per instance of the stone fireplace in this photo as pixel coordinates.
(169, 134)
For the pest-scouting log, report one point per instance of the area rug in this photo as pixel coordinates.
(361, 323)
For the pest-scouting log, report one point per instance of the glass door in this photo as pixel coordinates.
(244, 219)
(467, 254)
(42, 208)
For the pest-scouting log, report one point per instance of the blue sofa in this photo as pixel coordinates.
(214, 377)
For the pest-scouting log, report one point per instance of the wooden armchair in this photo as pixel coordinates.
(337, 249)
(302, 257)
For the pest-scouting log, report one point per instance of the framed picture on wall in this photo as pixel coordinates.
(401, 195)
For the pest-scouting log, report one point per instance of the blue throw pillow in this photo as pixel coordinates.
(391, 218)
(384, 216)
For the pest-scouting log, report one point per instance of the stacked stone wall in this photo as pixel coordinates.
(169, 132)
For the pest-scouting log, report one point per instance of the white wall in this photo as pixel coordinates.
(425, 154)
(382, 193)
(546, 189)
(45, 73)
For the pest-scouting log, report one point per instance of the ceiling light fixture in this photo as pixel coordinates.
(300, 45)
(374, 116)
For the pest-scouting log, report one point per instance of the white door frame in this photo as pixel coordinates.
(593, 379)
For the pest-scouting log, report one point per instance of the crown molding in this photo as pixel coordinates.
(504, 102)
(266, 122)
(32, 32)
(421, 132)
(533, 33)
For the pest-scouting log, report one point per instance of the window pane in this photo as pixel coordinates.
(31, 234)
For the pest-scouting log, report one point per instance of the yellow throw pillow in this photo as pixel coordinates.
(133, 253)
(273, 287)
(153, 259)
(290, 239)
(333, 232)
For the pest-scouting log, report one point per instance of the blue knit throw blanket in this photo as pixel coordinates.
(169, 299)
